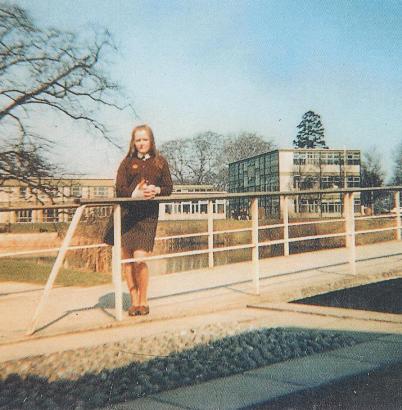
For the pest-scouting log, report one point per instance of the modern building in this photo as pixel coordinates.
(18, 194)
(192, 209)
(295, 170)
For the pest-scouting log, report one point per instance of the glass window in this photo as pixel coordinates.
(76, 191)
(50, 215)
(23, 191)
(313, 158)
(168, 208)
(24, 216)
(330, 158)
(353, 181)
(307, 182)
(299, 158)
(330, 181)
(331, 207)
(70, 214)
(100, 191)
(221, 208)
(353, 158)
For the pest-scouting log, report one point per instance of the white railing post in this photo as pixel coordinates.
(346, 216)
(254, 241)
(210, 234)
(397, 205)
(116, 263)
(350, 229)
(285, 217)
(56, 267)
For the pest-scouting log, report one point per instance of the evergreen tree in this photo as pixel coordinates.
(311, 132)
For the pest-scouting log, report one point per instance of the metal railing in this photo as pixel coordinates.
(348, 218)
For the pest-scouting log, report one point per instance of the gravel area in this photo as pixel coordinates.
(113, 373)
(73, 364)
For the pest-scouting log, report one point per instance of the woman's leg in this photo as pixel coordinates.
(129, 273)
(141, 277)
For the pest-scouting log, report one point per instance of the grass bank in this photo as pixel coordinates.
(81, 264)
(34, 271)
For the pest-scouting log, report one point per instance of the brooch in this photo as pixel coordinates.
(135, 166)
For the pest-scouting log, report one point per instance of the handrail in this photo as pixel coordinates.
(181, 197)
(348, 219)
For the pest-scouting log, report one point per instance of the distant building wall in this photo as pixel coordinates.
(16, 194)
(295, 170)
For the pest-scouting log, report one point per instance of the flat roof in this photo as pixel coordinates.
(298, 150)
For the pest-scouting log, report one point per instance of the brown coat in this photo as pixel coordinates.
(154, 170)
(140, 219)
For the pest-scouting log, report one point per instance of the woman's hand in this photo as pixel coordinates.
(150, 191)
(138, 192)
(145, 191)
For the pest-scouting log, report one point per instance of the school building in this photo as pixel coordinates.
(296, 170)
(18, 194)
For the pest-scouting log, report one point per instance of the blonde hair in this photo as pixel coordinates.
(152, 150)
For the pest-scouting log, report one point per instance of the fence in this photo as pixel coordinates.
(348, 218)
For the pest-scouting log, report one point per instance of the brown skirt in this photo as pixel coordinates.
(136, 233)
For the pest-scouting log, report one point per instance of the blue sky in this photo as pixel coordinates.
(231, 66)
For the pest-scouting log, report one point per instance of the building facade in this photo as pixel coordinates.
(192, 209)
(17, 194)
(296, 170)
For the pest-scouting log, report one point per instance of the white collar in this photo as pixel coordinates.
(144, 157)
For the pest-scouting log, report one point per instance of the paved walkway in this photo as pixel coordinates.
(87, 310)
(82, 317)
(262, 385)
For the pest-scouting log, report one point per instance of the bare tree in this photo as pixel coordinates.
(246, 144)
(194, 160)
(372, 175)
(205, 158)
(397, 168)
(177, 154)
(42, 72)
(237, 147)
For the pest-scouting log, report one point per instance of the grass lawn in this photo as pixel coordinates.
(29, 270)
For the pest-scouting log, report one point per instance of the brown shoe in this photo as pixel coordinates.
(141, 310)
(132, 310)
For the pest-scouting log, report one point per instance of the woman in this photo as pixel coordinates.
(143, 174)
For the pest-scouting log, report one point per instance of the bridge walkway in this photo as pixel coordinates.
(79, 317)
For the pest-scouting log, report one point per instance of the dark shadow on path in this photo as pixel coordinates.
(105, 302)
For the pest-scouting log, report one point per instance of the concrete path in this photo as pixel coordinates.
(82, 317)
(90, 311)
(262, 385)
